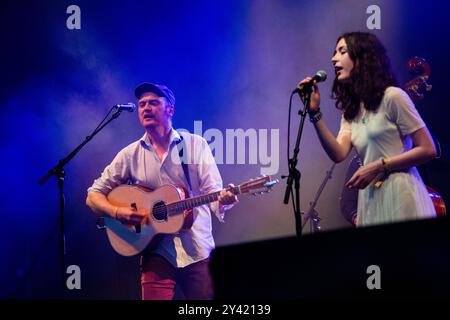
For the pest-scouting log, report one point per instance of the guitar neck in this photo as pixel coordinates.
(191, 203)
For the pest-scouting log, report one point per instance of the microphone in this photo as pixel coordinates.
(130, 107)
(320, 76)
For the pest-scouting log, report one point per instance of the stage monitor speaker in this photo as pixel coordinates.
(409, 260)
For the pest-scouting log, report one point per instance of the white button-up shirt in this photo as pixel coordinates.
(138, 164)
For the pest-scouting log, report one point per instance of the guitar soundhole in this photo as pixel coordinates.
(160, 211)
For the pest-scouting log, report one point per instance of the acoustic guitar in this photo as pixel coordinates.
(167, 212)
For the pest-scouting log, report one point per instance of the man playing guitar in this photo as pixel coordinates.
(151, 162)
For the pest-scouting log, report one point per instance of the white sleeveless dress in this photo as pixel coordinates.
(386, 133)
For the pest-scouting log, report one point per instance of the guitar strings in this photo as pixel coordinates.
(178, 206)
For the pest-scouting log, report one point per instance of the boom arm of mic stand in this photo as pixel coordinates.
(65, 160)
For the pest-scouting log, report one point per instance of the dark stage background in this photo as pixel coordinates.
(232, 64)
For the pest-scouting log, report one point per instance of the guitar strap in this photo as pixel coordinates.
(181, 145)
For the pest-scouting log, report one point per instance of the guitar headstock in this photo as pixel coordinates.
(258, 186)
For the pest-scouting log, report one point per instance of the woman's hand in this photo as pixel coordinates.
(365, 175)
(314, 104)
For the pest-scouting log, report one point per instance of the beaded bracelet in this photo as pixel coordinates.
(387, 164)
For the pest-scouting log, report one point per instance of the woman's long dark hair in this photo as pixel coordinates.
(369, 78)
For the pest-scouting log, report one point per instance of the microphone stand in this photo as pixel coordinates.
(59, 172)
(294, 173)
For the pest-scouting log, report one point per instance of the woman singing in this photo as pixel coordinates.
(381, 122)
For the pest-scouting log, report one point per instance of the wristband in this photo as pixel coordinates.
(315, 117)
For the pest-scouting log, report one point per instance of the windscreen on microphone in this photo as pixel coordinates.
(320, 76)
(130, 107)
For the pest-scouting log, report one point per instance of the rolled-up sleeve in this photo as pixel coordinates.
(116, 173)
(209, 177)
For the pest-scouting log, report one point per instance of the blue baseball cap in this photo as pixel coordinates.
(160, 89)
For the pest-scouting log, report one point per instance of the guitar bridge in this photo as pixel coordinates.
(137, 227)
